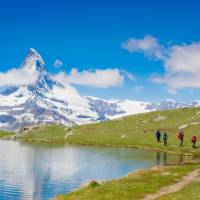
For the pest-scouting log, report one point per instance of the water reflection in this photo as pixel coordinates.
(162, 158)
(33, 171)
(165, 158)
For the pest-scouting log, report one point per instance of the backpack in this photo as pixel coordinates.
(165, 136)
(194, 138)
(180, 135)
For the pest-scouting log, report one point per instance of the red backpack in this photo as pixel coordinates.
(194, 138)
(180, 135)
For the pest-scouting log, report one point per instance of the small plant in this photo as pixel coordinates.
(94, 184)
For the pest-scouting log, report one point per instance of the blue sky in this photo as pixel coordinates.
(88, 35)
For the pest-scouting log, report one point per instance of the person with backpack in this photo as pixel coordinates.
(165, 138)
(181, 137)
(158, 136)
(194, 139)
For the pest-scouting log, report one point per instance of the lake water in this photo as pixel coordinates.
(40, 171)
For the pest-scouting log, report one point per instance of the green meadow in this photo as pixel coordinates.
(132, 131)
(136, 131)
(135, 186)
(6, 135)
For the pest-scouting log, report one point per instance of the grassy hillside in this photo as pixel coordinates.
(139, 130)
(132, 131)
(135, 186)
(4, 134)
(51, 134)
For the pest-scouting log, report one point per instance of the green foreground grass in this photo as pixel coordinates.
(132, 131)
(189, 192)
(135, 186)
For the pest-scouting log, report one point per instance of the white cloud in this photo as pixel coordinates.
(181, 62)
(18, 77)
(97, 79)
(182, 68)
(58, 63)
(149, 45)
(184, 58)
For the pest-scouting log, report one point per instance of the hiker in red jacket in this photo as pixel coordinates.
(181, 137)
(194, 139)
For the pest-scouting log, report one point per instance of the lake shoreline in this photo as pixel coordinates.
(89, 187)
(67, 167)
(106, 145)
(99, 145)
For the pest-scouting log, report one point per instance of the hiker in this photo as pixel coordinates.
(158, 136)
(165, 138)
(181, 137)
(194, 139)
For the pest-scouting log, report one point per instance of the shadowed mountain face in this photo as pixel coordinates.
(47, 101)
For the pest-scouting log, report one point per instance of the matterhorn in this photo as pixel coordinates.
(51, 102)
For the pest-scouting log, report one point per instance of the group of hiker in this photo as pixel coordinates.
(164, 138)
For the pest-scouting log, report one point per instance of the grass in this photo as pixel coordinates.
(6, 135)
(132, 131)
(189, 192)
(139, 131)
(50, 134)
(134, 186)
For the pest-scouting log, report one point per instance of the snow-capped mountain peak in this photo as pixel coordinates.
(45, 101)
(34, 62)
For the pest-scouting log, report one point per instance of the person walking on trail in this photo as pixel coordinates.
(194, 139)
(165, 138)
(181, 137)
(158, 136)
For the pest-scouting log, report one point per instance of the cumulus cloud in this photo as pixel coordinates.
(149, 45)
(97, 78)
(58, 63)
(181, 62)
(182, 68)
(18, 77)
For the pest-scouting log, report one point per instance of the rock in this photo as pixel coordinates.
(183, 126)
(160, 118)
(194, 123)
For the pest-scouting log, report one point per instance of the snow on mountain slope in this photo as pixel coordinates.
(112, 109)
(48, 101)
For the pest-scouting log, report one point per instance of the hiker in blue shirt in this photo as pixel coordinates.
(158, 136)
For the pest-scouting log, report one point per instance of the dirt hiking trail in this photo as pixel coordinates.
(175, 187)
